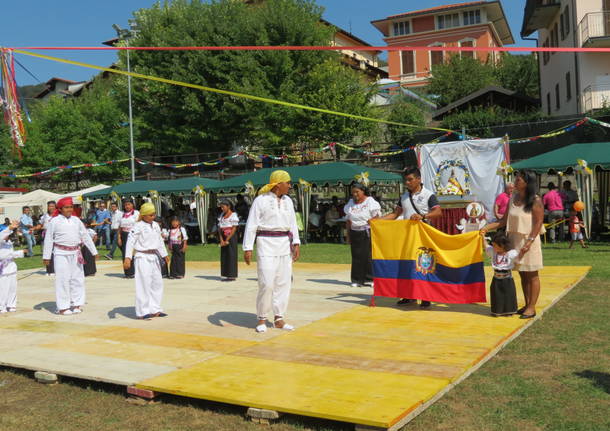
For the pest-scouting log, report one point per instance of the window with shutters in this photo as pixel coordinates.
(557, 101)
(436, 57)
(407, 62)
(401, 28)
(470, 44)
(472, 17)
(448, 21)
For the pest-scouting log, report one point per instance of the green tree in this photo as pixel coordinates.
(403, 110)
(74, 131)
(459, 77)
(519, 73)
(480, 121)
(176, 119)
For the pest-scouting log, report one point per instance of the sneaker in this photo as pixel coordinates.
(3, 311)
(76, 310)
(11, 309)
(261, 328)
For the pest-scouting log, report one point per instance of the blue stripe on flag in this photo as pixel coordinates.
(405, 270)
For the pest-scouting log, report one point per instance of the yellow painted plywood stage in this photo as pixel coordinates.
(377, 366)
(365, 365)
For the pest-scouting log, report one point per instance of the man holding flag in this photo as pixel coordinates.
(418, 204)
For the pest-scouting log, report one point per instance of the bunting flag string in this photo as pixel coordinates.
(9, 100)
(329, 147)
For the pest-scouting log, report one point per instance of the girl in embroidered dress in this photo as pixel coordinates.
(227, 229)
(502, 291)
(177, 244)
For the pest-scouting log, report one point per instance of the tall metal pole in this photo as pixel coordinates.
(133, 157)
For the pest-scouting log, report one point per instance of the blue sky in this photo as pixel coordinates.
(88, 23)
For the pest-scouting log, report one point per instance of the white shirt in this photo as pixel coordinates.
(127, 223)
(424, 200)
(7, 253)
(174, 235)
(45, 219)
(115, 219)
(268, 213)
(143, 237)
(360, 214)
(502, 262)
(70, 232)
(232, 220)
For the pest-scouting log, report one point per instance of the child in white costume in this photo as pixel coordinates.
(64, 238)
(146, 247)
(8, 270)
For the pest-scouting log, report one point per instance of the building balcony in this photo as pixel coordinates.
(594, 30)
(596, 97)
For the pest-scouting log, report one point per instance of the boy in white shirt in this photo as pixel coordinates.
(146, 247)
(8, 270)
(64, 237)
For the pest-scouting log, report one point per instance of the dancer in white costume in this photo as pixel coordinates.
(272, 224)
(147, 249)
(8, 270)
(64, 237)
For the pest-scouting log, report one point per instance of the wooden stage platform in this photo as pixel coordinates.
(372, 366)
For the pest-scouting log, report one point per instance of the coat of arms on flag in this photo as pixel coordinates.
(414, 260)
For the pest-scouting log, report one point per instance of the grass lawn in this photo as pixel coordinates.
(555, 376)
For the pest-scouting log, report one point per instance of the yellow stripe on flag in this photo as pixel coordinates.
(402, 239)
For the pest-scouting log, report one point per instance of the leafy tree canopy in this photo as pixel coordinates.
(176, 119)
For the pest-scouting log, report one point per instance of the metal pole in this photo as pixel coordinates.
(133, 161)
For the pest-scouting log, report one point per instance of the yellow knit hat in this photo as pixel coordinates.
(277, 177)
(147, 209)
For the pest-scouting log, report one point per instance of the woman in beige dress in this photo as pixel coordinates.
(524, 224)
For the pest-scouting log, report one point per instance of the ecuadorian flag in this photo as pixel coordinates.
(413, 260)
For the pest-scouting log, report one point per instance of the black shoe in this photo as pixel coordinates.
(405, 301)
(159, 314)
(424, 304)
(527, 316)
(521, 310)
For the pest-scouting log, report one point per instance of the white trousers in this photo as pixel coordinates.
(69, 281)
(8, 291)
(149, 285)
(274, 282)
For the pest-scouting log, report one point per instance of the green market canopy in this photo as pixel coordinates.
(597, 156)
(320, 175)
(200, 188)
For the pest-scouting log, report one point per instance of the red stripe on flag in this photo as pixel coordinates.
(428, 291)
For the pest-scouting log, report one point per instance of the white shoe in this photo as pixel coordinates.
(355, 285)
(261, 328)
(12, 310)
(3, 311)
(286, 327)
(76, 311)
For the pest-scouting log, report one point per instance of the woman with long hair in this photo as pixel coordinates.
(227, 235)
(524, 223)
(359, 211)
